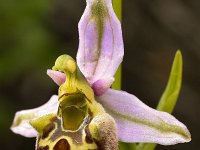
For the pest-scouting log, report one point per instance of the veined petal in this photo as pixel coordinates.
(101, 47)
(57, 76)
(136, 122)
(21, 124)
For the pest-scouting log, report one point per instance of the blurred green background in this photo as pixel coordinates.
(34, 33)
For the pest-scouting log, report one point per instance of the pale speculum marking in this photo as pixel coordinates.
(61, 139)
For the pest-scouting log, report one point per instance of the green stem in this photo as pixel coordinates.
(117, 6)
(117, 84)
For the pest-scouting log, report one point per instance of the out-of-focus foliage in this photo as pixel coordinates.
(24, 40)
(26, 46)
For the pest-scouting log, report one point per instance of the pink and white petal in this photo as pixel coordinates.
(101, 86)
(99, 53)
(57, 76)
(137, 122)
(22, 118)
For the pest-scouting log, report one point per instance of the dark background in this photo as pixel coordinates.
(34, 33)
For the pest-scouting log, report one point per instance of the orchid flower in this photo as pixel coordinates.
(87, 113)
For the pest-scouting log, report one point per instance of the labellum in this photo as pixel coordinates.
(81, 122)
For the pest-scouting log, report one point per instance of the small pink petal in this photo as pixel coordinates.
(137, 122)
(101, 86)
(57, 76)
(22, 118)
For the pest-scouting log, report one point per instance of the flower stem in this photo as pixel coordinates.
(117, 84)
(117, 5)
